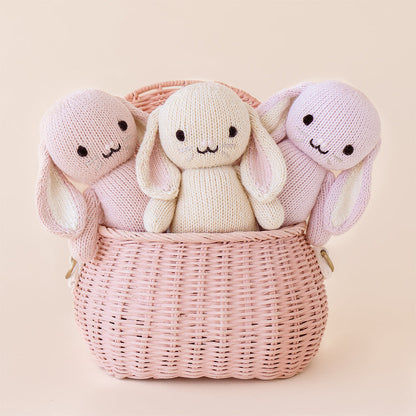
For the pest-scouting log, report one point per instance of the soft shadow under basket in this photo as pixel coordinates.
(242, 304)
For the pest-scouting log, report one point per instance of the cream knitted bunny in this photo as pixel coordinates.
(203, 129)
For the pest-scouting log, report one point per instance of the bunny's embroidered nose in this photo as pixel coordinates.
(318, 147)
(208, 149)
(112, 150)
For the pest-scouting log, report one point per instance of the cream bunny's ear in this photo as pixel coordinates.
(349, 196)
(263, 168)
(61, 207)
(273, 112)
(158, 177)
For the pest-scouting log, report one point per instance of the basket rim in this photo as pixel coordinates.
(135, 95)
(235, 236)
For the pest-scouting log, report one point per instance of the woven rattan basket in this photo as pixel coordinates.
(243, 304)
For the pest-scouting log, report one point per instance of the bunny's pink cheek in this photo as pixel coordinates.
(300, 139)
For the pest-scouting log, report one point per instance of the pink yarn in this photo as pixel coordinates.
(91, 137)
(122, 201)
(341, 133)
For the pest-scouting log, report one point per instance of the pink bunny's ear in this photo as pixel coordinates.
(139, 115)
(61, 207)
(158, 177)
(274, 111)
(262, 167)
(349, 196)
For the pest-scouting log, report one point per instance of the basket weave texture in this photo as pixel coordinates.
(242, 304)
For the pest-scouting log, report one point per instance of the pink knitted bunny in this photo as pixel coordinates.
(324, 127)
(91, 137)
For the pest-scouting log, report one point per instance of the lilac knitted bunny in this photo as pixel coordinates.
(91, 137)
(324, 127)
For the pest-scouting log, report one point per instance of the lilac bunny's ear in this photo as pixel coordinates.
(349, 196)
(273, 112)
(157, 176)
(262, 167)
(61, 206)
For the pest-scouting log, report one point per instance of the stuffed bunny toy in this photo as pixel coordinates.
(324, 127)
(185, 164)
(90, 137)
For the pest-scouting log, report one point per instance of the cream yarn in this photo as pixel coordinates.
(187, 156)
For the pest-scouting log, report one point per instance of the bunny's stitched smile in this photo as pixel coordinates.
(207, 150)
(318, 148)
(112, 151)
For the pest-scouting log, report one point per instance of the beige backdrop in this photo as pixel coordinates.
(366, 365)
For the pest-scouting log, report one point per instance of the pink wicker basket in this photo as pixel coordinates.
(243, 304)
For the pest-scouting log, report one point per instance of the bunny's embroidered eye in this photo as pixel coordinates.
(180, 135)
(308, 119)
(348, 149)
(123, 125)
(82, 151)
(233, 131)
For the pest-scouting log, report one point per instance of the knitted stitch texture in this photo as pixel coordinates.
(90, 137)
(223, 204)
(190, 145)
(324, 127)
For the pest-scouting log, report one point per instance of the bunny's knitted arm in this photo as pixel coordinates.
(158, 215)
(84, 247)
(269, 215)
(316, 233)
